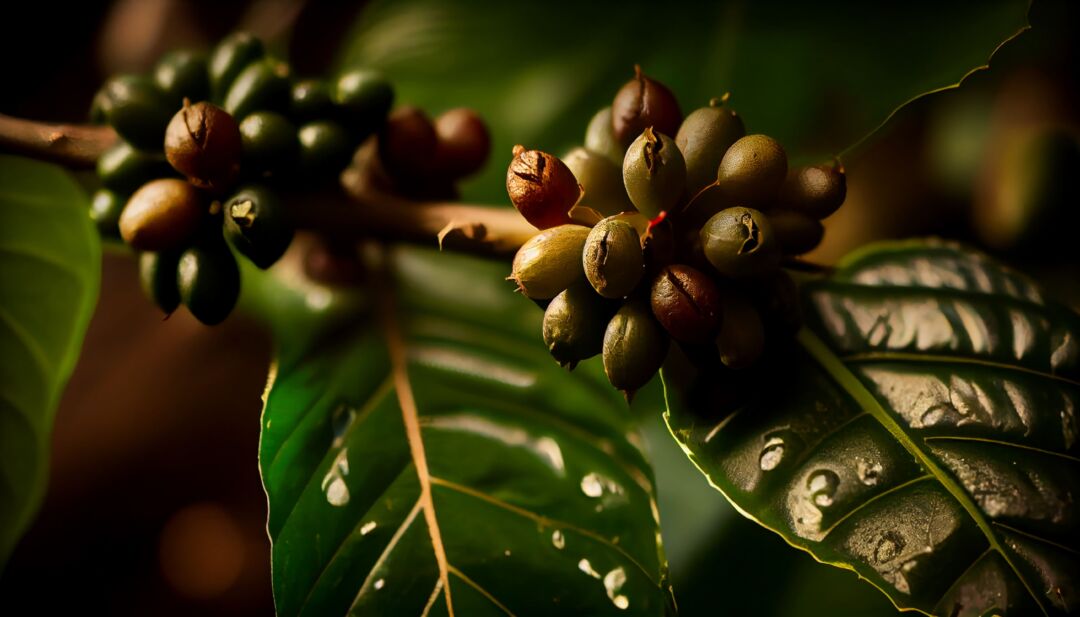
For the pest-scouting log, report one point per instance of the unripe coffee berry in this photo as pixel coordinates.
(262, 85)
(752, 170)
(182, 74)
(269, 142)
(137, 108)
(542, 188)
(687, 303)
(162, 215)
(124, 168)
(634, 347)
(310, 100)
(601, 181)
(814, 190)
(600, 137)
(464, 143)
(232, 55)
(612, 258)
(105, 209)
(203, 142)
(739, 243)
(704, 138)
(550, 262)
(574, 324)
(257, 224)
(157, 274)
(654, 173)
(364, 98)
(209, 280)
(643, 102)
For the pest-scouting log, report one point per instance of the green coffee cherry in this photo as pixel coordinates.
(137, 109)
(208, 280)
(365, 98)
(574, 324)
(122, 168)
(182, 74)
(752, 170)
(232, 55)
(600, 138)
(654, 173)
(311, 101)
(739, 243)
(550, 262)
(704, 137)
(105, 209)
(634, 347)
(162, 215)
(263, 85)
(602, 181)
(795, 232)
(612, 258)
(325, 149)
(157, 273)
(742, 335)
(257, 224)
(270, 143)
(814, 190)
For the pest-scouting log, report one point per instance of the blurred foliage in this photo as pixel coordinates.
(49, 279)
(817, 76)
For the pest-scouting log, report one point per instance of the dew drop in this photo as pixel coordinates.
(613, 584)
(337, 493)
(888, 547)
(869, 473)
(591, 486)
(823, 484)
(380, 583)
(558, 539)
(506, 553)
(333, 483)
(587, 568)
(340, 421)
(772, 454)
(367, 528)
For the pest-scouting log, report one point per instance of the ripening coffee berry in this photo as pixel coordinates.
(203, 142)
(686, 302)
(364, 98)
(704, 137)
(162, 215)
(407, 144)
(137, 109)
(752, 170)
(182, 74)
(742, 335)
(654, 173)
(105, 210)
(157, 274)
(600, 137)
(542, 188)
(464, 143)
(642, 103)
(814, 190)
(325, 149)
(310, 101)
(232, 55)
(795, 232)
(601, 181)
(739, 243)
(123, 168)
(634, 347)
(208, 280)
(263, 85)
(574, 324)
(550, 262)
(270, 143)
(257, 224)
(612, 258)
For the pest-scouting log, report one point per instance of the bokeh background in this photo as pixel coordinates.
(155, 504)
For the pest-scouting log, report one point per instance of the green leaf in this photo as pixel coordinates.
(924, 435)
(49, 276)
(818, 76)
(430, 452)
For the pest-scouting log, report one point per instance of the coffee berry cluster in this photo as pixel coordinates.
(663, 227)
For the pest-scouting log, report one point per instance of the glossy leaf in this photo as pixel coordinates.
(925, 435)
(49, 275)
(431, 454)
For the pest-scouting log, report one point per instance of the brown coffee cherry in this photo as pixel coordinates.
(634, 347)
(542, 188)
(742, 334)
(612, 258)
(203, 142)
(601, 181)
(654, 173)
(407, 144)
(550, 262)
(686, 302)
(464, 143)
(162, 215)
(704, 138)
(795, 232)
(643, 102)
(814, 190)
(752, 170)
(574, 324)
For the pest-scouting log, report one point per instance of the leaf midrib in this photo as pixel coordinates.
(836, 369)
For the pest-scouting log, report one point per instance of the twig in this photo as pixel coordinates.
(76, 146)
